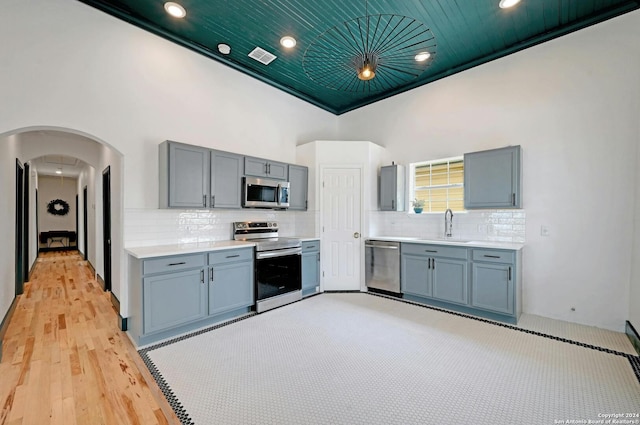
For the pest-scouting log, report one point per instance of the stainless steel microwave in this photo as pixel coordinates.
(264, 193)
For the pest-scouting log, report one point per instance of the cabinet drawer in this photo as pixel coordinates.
(435, 250)
(494, 256)
(172, 264)
(230, 255)
(310, 246)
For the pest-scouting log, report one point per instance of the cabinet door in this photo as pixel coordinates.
(416, 275)
(188, 176)
(310, 271)
(173, 299)
(450, 279)
(255, 167)
(226, 180)
(277, 170)
(388, 185)
(299, 187)
(492, 178)
(492, 287)
(230, 287)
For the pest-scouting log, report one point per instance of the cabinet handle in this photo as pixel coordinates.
(492, 256)
(429, 263)
(211, 274)
(310, 246)
(509, 274)
(213, 201)
(202, 276)
(433, 263)
(318, 257)
(513, 199)
(393, 204)
(177, 264)
(204, 201)
(430, 250)
(306, 205)
(233, 256)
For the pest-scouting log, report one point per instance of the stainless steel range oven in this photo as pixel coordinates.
(277, 265)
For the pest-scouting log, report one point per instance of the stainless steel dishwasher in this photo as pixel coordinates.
(382, 265)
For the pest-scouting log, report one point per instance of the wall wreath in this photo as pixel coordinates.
(58, 207)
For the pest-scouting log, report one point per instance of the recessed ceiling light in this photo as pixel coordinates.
(288, 41)
(58, 171)
(504, 4)
(225, 49)
(422, 56)
(175, 10)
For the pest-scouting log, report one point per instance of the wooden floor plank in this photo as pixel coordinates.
(63, 348)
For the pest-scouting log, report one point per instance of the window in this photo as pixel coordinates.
(439, 183)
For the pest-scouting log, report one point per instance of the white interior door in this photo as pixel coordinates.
(341, 228)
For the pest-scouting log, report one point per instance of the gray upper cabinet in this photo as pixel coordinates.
(299, 187)
(492, 179)
(391, 188)
(259, 167)
(184, 175)
(226, 180)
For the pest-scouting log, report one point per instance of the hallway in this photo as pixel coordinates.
(64, 359)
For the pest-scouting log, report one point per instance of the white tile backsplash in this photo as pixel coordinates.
(146, 227)
(486, 225)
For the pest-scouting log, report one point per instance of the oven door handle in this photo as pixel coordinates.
(279, 253)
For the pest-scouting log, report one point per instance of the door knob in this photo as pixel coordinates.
(356, 235)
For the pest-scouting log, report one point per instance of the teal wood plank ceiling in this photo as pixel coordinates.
(459, 34)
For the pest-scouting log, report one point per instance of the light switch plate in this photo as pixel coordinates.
(544, 230)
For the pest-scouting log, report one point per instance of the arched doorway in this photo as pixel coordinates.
(26, 145)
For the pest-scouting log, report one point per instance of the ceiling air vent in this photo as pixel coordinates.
(262, 56)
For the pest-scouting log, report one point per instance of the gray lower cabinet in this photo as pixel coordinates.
(175, 294)
(478, 281)
(415, 276)
(299, 187)
(173, 299)
(230, 280)
(310, 267)
(492, 179)
(435, 271)
(259, 167)
(493, 280)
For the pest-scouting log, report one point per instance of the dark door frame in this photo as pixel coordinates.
(106, 226)
(19, 229)
(25, 222)
(85, 235)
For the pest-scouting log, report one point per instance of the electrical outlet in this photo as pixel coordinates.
(544, 230)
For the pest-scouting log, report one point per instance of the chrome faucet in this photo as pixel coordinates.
(448, 223)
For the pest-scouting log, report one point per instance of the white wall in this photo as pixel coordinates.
(7, 220)
(70, 66)
(573, 105)
(634, 293)
(50, 188)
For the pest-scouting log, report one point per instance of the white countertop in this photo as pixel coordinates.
(186, 248)
(307, 238)
(451, 241)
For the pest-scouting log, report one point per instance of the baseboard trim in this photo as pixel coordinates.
(93, 269)
(122, 321)
(100, 281)
(633, 335)
(5, 321)
(58, 248)
(33, 266)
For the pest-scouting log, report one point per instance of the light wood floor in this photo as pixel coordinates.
(65, 361)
